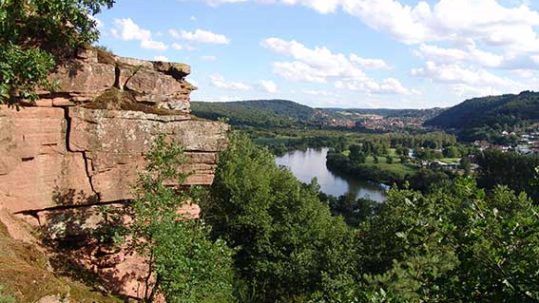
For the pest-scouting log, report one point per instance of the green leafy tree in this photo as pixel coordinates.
(290, 248)
(457, 244)
(36, 35)
(356, 153)
(188, 266)
(466, 165)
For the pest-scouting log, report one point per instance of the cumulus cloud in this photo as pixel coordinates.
(200, 36)
(161, 58)
(486, 20)
(486, 33)
(127, 30)
(321, 65)
(470, 54)
(220, 82)
(268, 86)
(468, 81)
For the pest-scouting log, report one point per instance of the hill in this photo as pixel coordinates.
(289, 114)
(388, 112)
(258, 113)
(479, 117)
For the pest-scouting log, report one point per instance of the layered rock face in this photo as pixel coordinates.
(72, 140)
(84, 144)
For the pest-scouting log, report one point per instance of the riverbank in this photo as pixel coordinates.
(311, 163)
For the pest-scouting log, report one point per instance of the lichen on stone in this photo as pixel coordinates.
(116, 99)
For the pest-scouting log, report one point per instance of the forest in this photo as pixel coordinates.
(283, 241)
(485, 118)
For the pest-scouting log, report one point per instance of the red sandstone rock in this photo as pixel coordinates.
(58, 153)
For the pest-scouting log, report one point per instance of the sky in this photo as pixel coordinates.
(336, 53)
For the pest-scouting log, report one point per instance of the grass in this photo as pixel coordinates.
(24, 275)
(451, 160)
(396, 167)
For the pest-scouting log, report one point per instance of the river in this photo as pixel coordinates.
(309, 164)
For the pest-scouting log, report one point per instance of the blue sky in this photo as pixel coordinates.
(336, 53)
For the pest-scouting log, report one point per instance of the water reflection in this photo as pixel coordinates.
(311, 163)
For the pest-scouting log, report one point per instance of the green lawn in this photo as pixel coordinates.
(395, 167)
(451, 160)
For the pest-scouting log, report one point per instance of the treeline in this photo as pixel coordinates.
(280, 141)
(518, 172)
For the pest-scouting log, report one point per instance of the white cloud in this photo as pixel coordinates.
(208, 58)
(153, 45)
(161, 58)
(469, 54)
(200, 36)
(320, 65)
(485, 20)
(220, 82)
(469, 81)
(322, 6)
(219, 2)
(507, 28)
(127, 30)
(268, 86)
(452, 73)
(369, 63)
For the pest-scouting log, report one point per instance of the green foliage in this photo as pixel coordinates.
(189, 267)
(4, 298)
(354, 211)
(387, 173)
(511, 169)
(34, 35)
(484, 118)
(260, 113)
(457, 244)
(290, 248)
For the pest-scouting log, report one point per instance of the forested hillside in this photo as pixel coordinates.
(283, 113)
(474, 118)
(259, 113)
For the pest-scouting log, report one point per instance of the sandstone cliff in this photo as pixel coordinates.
(83, 144)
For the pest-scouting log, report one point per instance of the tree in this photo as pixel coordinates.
(355, 152)
(35, 36)
(389, 160)
(289, 247)
(466, 165)
(511, 169)
(188, 266)
(457, 244)
(451, 152)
